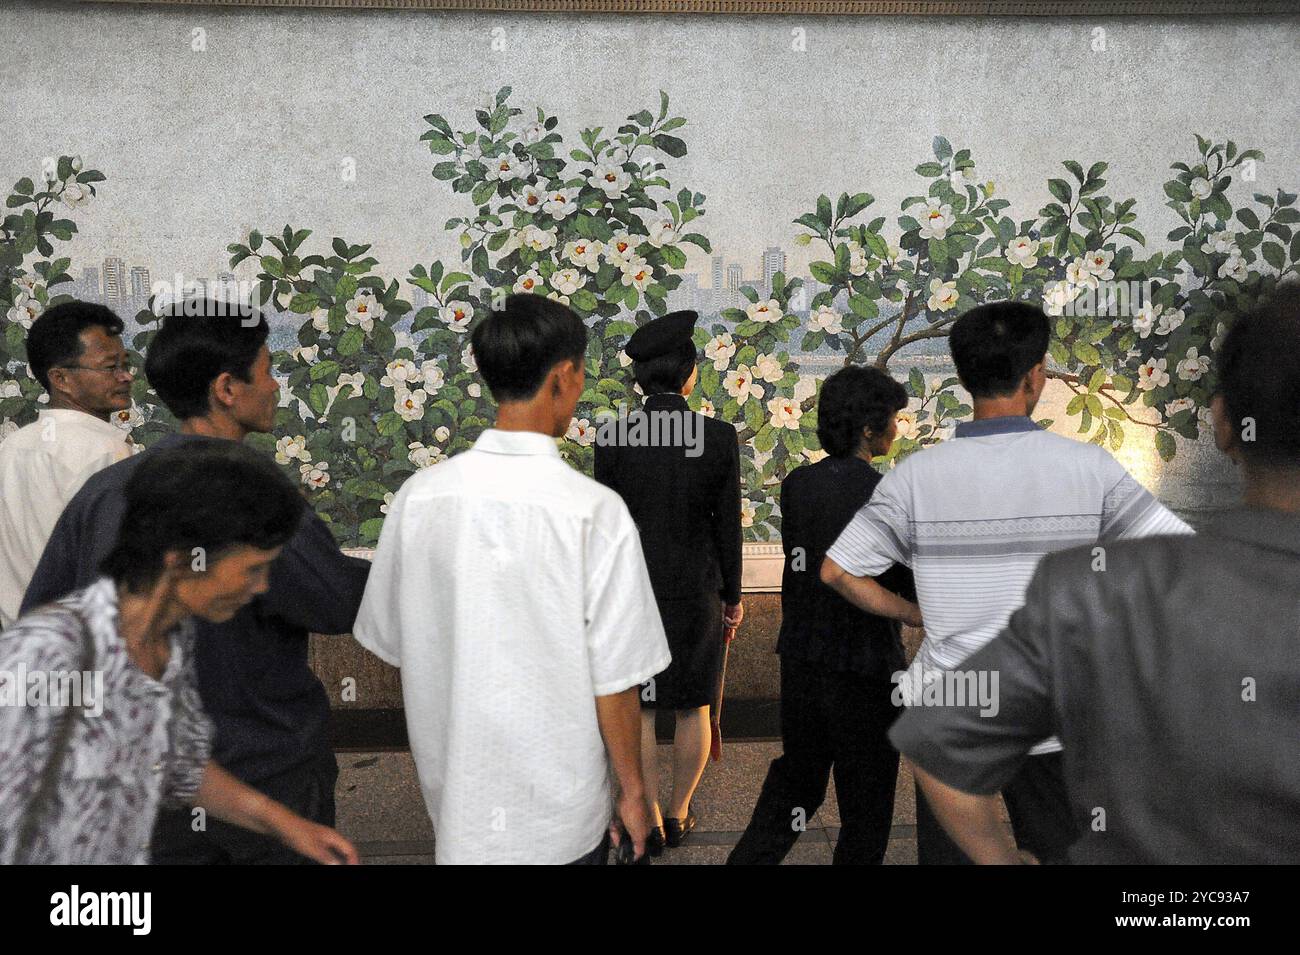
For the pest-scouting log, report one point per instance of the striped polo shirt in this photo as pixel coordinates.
(972, 517)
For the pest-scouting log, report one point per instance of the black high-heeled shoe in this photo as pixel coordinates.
(654, 842)
(676, 830)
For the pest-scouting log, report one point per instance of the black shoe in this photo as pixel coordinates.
(654, 842)
(676, 830)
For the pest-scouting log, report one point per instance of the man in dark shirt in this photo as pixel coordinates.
(836, 661)
(1169, 667)
(213, 371)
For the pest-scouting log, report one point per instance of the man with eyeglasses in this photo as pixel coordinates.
(75, 351)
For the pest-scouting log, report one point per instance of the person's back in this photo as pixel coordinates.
(1176, 699)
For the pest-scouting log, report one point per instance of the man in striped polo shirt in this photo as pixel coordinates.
(972, 517)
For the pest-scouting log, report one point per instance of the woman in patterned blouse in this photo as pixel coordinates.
(100, 717)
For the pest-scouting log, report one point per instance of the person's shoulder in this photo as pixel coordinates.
(51, 634)
(1121, 565)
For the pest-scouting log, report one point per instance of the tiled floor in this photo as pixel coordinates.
(381, 810)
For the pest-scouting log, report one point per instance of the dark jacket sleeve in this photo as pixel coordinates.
(314, 585)
(726, 521)
(604, 469)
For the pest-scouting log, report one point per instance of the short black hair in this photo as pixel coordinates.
(995, 345)
(853, 398)
(1258, 372)
(214, 494)
(55, 337)
(666, 373)
(515, 348)
(195, 343)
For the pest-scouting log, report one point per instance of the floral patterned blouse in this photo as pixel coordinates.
(148, 744)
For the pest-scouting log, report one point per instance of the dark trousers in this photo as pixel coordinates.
(597, 856)
(308, 791)
(830, 723)
(1039, 808)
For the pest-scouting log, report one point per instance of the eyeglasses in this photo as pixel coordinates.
(118, 368)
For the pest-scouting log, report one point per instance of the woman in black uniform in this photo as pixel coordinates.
(679, 473)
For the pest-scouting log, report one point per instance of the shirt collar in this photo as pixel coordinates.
(1004, 424)
(82, 419)
(496, 441)
(1261, 527)
(667, 398)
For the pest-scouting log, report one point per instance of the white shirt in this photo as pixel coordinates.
(974, 515)
(42, 465)
(512, 591)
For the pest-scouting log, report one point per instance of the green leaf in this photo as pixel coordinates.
(350, 342)
(1060, 189)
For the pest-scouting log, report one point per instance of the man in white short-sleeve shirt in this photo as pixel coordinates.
(75, 351)
(512, 592)
(972, 517)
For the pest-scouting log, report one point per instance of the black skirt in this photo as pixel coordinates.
(693, 626)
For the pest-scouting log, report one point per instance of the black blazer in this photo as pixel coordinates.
(817, 624)
(687, 508)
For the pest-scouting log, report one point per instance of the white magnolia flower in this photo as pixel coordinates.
(530, 199)
(768, 368)
(812, 456)
(740, 384)
(624, 359)
(1144, 320)
(662, 232)
(567, 281)
(1219, 331)
(785, 413)
(719, 350)
(768, 311)
(320, 319)
(364, 310)
(474, 389)
(1169, 321)
(936, 220)
(805, 388)
(747, 512)
(584, 253)
(610, 179)
(1152, 374)
(1201, 188)
(25, 310)
(943, 295)
(503, 168)
(1221, 243)
(7, 428)
(468, 360)
(907, 426)
(636, 271)
(127, 418)
(74, 194)
(559, 203)
(1078, 274)
(706, 408)
(1057, 295)
(410, 404)
(388, 499)
(1023, 251)
(356, 381)
(315, 475)
(442, 433)
(1178, 404)
(432, 376)
(291, 449)
(1193, 366)
(1234, 267)
(306, 353)
(1098, 263)
(893, 253)
(534, 133)
(581, 431)
(621, 245)
(826, 319)
(26, 284)
(399, 373)
(403, 340)
(423, 456)
(858, 259)
(456, 316)
(616, 155)
(557, 297)
(537, 238)
(530, 281)
(10, 389)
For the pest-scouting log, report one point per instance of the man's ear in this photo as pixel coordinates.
(1225, 435)
(221, 394)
